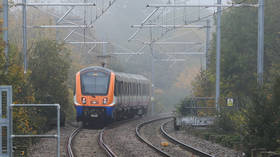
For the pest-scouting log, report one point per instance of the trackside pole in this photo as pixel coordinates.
(260, 41)
(218, 55)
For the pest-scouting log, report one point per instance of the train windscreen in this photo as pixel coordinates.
(95, 83)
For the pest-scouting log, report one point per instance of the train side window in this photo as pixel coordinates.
(130, 89)
(134, 89)
(121, 88)
(116, 88)
(126, 89)
(141, 89)
(137, 89)
(127, 86)
(147, 89)
(146, 92)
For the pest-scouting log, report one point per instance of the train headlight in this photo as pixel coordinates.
(105, 100)
(84, 101)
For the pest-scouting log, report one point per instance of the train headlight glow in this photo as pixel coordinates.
(84, 101)
(105, 100)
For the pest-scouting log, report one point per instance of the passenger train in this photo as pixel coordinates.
(102, 94)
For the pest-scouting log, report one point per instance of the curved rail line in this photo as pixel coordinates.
(101, 142)
(183, 145)
(104, 146)
(69, 142)
(137, 130)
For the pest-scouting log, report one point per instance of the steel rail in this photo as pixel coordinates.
(101, 142)
(183, 145)
(105, 147)
(69, 142)
(137, 130)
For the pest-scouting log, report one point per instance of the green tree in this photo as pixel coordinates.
(49, 64)
(257, 110)
(262, 119)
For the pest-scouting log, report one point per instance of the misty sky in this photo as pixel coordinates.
(115, 24)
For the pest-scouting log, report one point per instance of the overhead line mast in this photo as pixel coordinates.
(219, 5)
(59, 22)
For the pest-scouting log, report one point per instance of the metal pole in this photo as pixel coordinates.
(5, 28)
(1, 117)
(10, 128)
(260, 41)
(218, 56)
(24, 38)
(56, 31)
(58, 131)
(153, 69)
(207, 43)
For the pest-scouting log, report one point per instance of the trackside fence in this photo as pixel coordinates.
(6, 121)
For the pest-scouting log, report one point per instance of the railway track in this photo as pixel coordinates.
(70, 152)
(183, 145)
(103, 145)
(188, 148)
(100, 140)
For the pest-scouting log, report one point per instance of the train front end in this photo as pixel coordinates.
(94, 94)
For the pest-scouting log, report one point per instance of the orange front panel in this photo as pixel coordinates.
(95, 100)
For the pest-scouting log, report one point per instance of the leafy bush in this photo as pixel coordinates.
(182, 107)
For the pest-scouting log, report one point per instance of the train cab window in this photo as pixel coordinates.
(95, 83)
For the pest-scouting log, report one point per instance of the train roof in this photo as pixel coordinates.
(127, 77)
(119, 75)
(95, 67)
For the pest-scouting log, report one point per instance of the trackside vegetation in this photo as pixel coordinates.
(253, 122)
(44, 83)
